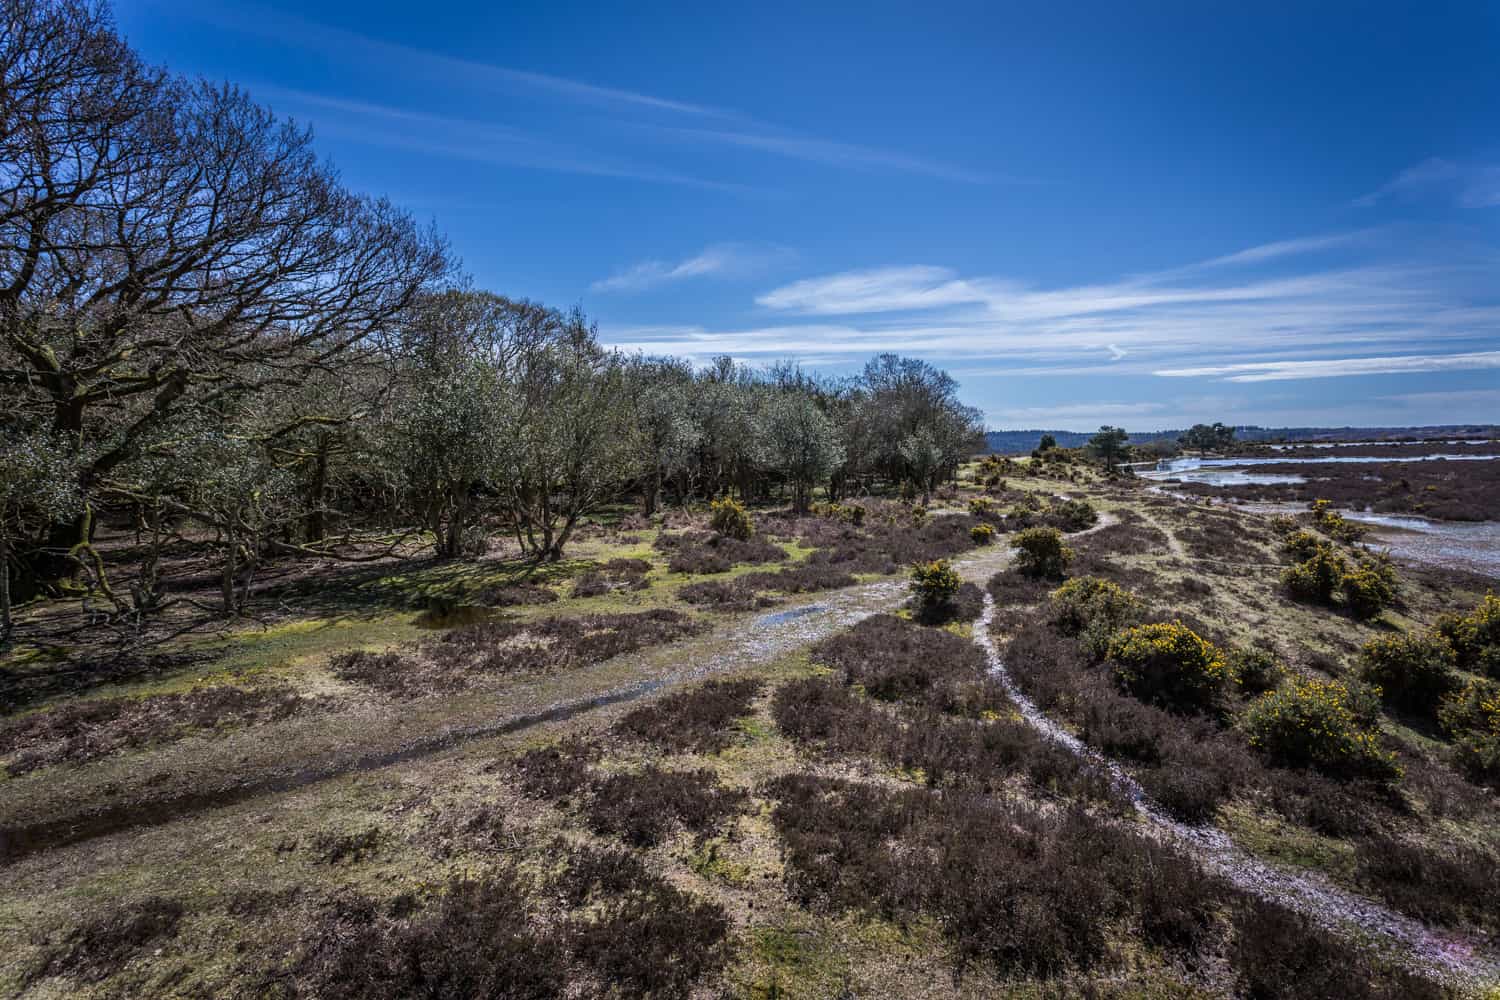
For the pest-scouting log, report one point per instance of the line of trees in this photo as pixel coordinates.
(202, 328)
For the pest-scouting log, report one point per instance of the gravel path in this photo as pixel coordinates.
(1449, 955)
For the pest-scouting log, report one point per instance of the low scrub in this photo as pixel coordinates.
(1475, 637)
(1454, 886)
(1279, 954)
(1369, 587)
(934, 585)
(1471, 717)
(1040, 552)
(697, 721)
(1187, 764)
(1170, 665)
(515, 595)
(82, 731)
(1316, 578)
(1320, 724)
(722, 595)
(477, 938)
(1017, 890)
(639, 934)
(728, 517)
(1255, 670)
(803, 579)
(1092, 608)
(643, 808)
(463, 656)
(897, 660)
(555, 772)
(1413, 670)
(702, 553)
(103, 945)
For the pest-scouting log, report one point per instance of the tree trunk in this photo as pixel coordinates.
(5, 624)
(654, 490)
(226, 586)
(317, 522)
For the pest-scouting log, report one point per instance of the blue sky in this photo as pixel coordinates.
(1145, 214)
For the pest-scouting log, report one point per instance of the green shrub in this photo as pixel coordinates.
(1093, 608)
(934, 584)
(1471, 716)
(1041, 552)
(1168, 664)
(728, 517)
(1255, 670)
(1317, 577)
(983, 534)
(1411, 669)
(919, 515)
(1369, 588)
(1320, 724)
(849, 513)
(1475, 637)
(1333, 524)
(1302, 545)
(1073, 515)
(1284, 525)
(980, 506)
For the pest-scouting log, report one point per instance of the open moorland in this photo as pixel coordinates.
(1135, 746)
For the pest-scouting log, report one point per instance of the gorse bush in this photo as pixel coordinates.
(1411, 669)
(1041, 552)
(728, 517)
(1255, 670)
(1369, 588)
(980, 506)
(1168, 664)
(1320, 724)
(983, 534)
(1475, 637)
(1093, 609)
(1316, 578)
(848, 513)
(1301, 544)
(1333, 524)
(934, 584)
(1072, 515)
(1471, 716)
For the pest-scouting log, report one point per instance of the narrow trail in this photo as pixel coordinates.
(739, 643)
(1449, 955)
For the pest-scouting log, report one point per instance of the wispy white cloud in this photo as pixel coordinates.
(483, 142)
(889, 289)
(649, 110)
(337, 42)
(1276, 371)
(1229, 313)
(1073, 414)
(727, 259)
(1470, 185)
(829, 152)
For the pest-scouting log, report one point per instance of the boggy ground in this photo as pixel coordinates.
(820, 799)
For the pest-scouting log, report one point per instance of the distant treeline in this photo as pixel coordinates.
(1016, 442)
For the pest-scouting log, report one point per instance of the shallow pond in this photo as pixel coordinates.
(1467, 545)
(1232, 471)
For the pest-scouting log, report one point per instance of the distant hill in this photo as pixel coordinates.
(1013, 442)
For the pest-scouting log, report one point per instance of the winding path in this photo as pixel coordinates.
(1451, 956)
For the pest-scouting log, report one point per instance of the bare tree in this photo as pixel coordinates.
(168, 244)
